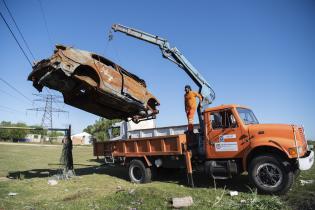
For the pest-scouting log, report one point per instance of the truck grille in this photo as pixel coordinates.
(301, 133)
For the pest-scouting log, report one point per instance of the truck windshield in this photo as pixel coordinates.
(247, 116)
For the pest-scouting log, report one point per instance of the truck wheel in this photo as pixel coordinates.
(269, 174)
(138, 173)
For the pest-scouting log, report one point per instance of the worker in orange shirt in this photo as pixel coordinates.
(191, 106)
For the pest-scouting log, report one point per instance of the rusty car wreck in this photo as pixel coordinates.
(95, 84)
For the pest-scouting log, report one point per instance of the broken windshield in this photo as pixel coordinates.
(247, 116)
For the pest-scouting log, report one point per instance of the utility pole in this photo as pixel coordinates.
(48, 109)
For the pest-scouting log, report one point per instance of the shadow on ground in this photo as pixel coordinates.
(239, 183)
(80, 170)
(177, 176)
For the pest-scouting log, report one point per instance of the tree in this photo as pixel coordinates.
(19, 133)
(99, 129)
(9, 134)
(39, 131)
(5, 133)
(54, 134)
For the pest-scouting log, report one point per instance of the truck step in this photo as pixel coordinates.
(109, 159)
(220, 177)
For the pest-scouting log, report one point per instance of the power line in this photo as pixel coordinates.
(47, 119)
(42, 97)
(60, 97)
(7, 111)
(9, 94)
(16, 39)
(10, 109)
(16, 90)
(48, 110)
(45, 21)
(26, 44)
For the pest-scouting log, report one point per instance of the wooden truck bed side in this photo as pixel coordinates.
(161, 145)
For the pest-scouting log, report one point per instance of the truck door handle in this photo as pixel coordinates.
(211, 143)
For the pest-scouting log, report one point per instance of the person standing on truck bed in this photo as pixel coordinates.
(191, 106)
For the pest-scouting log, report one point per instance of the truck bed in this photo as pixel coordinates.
(161, 145)
(160, 131)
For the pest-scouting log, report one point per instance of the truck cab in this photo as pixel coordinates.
(235, 141)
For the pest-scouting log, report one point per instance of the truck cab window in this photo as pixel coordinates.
(247, 116)
(115, 131)
(216, 120)
(223, 119)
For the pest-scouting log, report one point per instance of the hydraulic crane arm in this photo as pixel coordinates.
(174, 55)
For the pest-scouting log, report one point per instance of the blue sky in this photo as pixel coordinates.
(256, 53)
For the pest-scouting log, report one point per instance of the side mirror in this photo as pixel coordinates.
(233, 122)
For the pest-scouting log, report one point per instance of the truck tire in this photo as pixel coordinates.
(138, 173)
(269, 174)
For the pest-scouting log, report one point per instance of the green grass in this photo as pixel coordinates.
(99, 187)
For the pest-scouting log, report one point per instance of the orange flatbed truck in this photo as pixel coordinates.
(231, 143)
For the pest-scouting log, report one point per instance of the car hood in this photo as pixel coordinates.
(271, 130)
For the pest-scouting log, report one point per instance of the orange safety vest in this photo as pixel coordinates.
(190, 100)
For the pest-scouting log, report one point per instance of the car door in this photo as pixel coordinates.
(224, 135)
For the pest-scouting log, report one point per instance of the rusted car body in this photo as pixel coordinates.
(95, 84)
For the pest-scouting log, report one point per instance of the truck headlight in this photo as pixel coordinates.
(310, 147)
(296, 150)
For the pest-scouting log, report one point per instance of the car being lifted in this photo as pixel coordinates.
(95, 84)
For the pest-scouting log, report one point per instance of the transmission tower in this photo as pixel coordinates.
(48, 109)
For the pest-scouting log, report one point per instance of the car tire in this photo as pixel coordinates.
(138, 173)
(269, 174)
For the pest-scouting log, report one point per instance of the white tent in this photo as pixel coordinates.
(82, 138)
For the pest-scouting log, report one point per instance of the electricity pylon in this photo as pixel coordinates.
(48, 109)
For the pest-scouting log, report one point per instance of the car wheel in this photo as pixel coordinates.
(88, 75)
(269, 174)
(138, 173)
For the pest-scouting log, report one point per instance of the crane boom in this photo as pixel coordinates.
(162, 43)
(174, 55)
